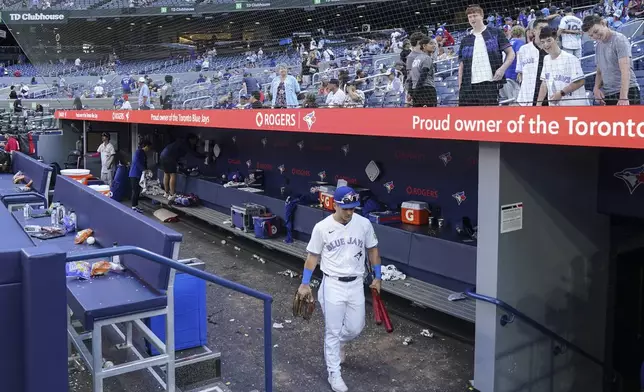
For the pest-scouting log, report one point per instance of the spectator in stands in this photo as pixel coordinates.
(201, 79)
(98, 91)
(249, 83)
(139, 165)
(126, 105)
(167, 90)
(554, 19)
(11, 143)
(77, 63)
(529, 65)
(481, 71)
(310, 67)
(243, 102)
(336, 96)
(512, 86)
(354, 97)
(24, 89)
(13, 94)
(127, 84)
(416, 51)
(615, 21)
(17, 105)
(284, 89)
(422, 75)
(78, 104)
(393, 83)
(570, 32)
(255, 100)
(144, 95)
(615, 82)
(33, 81)
(562, 78)
(101, 81)
(205, 64)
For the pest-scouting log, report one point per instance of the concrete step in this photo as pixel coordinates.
(213, 387)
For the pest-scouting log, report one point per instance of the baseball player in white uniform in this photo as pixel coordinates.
(340, 243)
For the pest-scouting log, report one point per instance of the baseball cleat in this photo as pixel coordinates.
(337, 383)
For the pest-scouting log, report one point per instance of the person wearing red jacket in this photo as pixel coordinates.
(11, 143)
(444, 38)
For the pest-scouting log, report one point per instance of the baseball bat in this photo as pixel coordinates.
(376, 306)
(385, 316)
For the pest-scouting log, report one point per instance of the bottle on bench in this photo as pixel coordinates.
(116, 259)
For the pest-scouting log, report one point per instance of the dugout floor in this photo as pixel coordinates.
(377, 361)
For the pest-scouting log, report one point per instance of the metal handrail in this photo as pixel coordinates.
(212, 100)
(267, 299)
(512, 313)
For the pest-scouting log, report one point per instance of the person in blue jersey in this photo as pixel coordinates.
(511, 88)
(126, 84)
(139, 165)
(169, 161)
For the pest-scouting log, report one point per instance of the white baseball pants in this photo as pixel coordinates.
(343, 305)
(107, 176)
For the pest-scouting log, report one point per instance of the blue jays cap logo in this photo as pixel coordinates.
(345, 149)
(234, 139)
(309, 119)
(300, 144)
(632, 177)
(390, 186)
(249, 163)
(264, 141)
(322, 175)
(281, 168)
(460, 197)
(445, 158)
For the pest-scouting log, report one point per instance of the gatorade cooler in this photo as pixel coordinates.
(415, 213)
(80, 175)
(326, 197)
(265, 226)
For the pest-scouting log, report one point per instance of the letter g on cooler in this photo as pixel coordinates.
(409, 215)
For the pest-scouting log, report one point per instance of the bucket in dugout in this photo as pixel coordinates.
(104, 189)
(80, 175)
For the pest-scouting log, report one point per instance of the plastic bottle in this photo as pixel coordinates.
(116, 259)
(54, 217)
(25, 211)
(72, 217)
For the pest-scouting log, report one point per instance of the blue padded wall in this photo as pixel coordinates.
(414, 165)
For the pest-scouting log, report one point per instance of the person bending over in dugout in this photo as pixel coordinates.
(340, 243)
(169, 160)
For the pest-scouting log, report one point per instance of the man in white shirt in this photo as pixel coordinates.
(336, 96)
(339, 243)
(107, 152)
(562, 78)
(529, 65)
(481, 71)
(144, 94)
(570, 32)
(98, 91)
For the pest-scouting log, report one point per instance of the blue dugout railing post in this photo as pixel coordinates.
(268, 300)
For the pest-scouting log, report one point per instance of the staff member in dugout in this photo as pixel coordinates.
(107, 153)
(139, 165)
(169, 160)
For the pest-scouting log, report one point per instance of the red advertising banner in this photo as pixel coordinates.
(598, 126)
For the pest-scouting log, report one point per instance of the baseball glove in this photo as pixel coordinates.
(303, 305)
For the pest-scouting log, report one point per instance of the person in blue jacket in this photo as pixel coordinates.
(139, 165)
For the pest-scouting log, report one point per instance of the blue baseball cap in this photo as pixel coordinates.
(345, 197)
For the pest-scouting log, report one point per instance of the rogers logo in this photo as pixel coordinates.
(301, 172)
(234, 162)
(118, 116)
(422, 192)
(409, 156)
(275, 120)
(347, 179)
(264, 166)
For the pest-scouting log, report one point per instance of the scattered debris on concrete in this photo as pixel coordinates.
(426, 333)
(457, 297)
(408, 340)
(288, 273)
(278, 325)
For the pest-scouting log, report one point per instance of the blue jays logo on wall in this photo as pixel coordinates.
(460, 197)
(322, 175)
(249, 163)
(281, 168)
(633, 177)
(389, 186)
(300, 144)
(309, 119)
(234, 139)
(264, 141)
(445, 158)
(345, 149)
